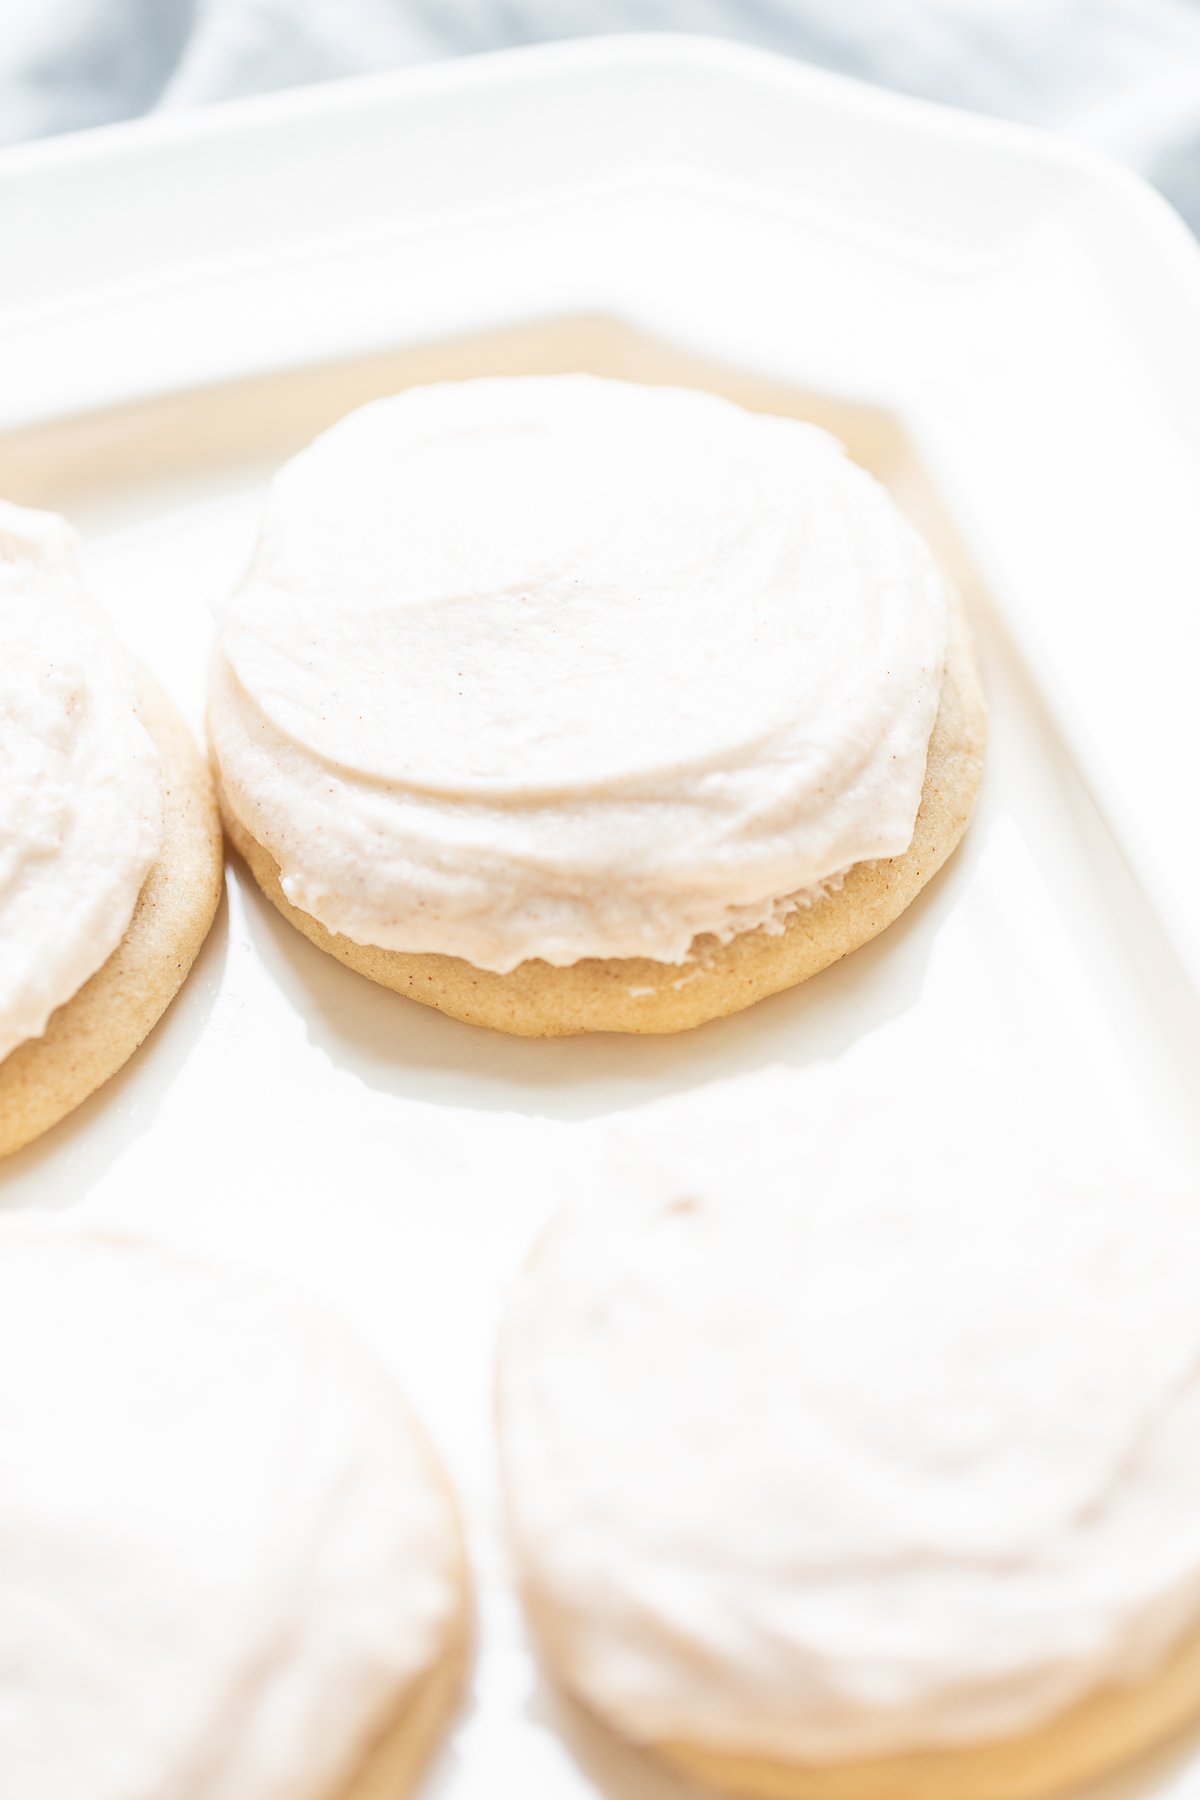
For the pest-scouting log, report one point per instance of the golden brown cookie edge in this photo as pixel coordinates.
(639, 996)
(94, 1034)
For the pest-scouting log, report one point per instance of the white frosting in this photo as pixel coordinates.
(562, 667)
(822, 1447)
(80, 784)
(225, 1553)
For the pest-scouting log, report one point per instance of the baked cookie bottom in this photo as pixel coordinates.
(637, 995)
(94, 1033)
(400, 1758)
(1096, 1736)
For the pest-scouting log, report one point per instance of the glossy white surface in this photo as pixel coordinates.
(1002, 330)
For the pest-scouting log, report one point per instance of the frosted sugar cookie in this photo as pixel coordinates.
(110, 841)
(230, 1567)
(835, 1480)
(567, 705)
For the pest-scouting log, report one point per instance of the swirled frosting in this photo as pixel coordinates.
(560, 667)
(822, 1449)
(226, 1555)
(81, 789)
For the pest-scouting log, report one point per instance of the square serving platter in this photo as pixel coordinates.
(1005, 329)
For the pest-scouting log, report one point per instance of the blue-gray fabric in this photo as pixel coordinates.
(1123, 75)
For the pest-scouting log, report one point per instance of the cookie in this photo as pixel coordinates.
(111, 857)
(230, 1563)
(93, 1034)
(838, 1472)
(569, 705)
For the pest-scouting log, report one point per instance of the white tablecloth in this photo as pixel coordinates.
(1121, 74)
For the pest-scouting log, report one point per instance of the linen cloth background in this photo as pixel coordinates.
(1123, 75)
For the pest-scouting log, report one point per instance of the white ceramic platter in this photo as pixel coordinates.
(1007, 331)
